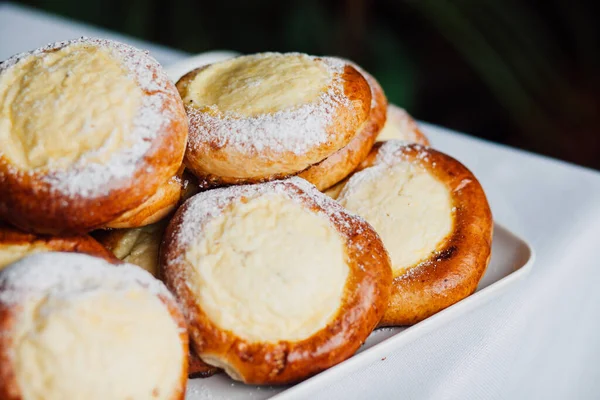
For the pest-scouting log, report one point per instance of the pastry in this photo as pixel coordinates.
(77, 327)
(89, 129)
(157, 207)
(15, 244)
(341, 163)
(434, 220)
(277, 281)
(401, 126)
(266, 116)
(138, 246)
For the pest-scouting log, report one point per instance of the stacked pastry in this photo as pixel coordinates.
(252, 190)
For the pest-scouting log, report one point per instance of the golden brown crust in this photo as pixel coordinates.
(216, 164)
(10, 236)
(30, 202)
(198, 368)
(157, 207)
(341, 163)
(453, 272)
(364, 301)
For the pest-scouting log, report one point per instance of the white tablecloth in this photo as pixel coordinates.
(537, 341)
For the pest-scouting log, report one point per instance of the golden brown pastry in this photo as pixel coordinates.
(266, 116)
(198, 368)
(277, 281)
(77, 327)
(434, 220)
(401, 126)
(89, 129)
(341, 163)
(15, 244)
(157, 207)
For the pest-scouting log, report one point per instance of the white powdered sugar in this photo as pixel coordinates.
(205, 206)
(68, 275)
(295, 130)
(88, 179)
(394, 151)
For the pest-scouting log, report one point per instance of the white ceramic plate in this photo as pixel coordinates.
(512, 259)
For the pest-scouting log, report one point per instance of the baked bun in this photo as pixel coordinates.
(401, 126)
(15, 244)
(433, 218)
(138, 246)
(277, 281)
(89, 129)
(77, 327)
(157, 207)
(265, 116)
(341, 163)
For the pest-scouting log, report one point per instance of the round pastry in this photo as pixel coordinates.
(341, 163)
(138, 246)
(266, 116)
(15, 245)
(400, 125)
(277, 281)
(157, 207)
(89, 129)
(77, 327)
(434, 220)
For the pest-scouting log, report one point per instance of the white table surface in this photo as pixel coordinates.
(539, 341)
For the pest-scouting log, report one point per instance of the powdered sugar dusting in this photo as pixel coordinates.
(71, 275)
(87, 179)
(205, 206)
(394, 151)
(295, 130)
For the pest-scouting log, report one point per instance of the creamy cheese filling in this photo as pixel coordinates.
(97, 346)
(140, 246)
(268, 269)
(398, 125)
(76, 104)
(254, 85)
(409, 208)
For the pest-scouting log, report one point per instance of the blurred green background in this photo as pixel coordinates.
(524, 73)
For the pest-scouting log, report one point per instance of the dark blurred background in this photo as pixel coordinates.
(523, 73)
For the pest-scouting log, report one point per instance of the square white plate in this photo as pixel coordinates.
(512, 259)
